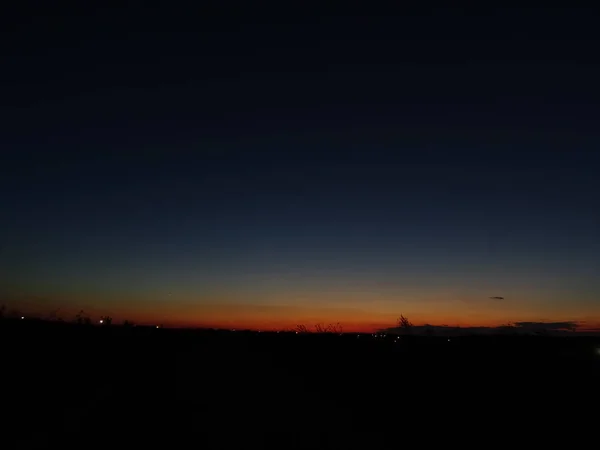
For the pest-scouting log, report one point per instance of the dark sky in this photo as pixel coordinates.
(270, 167)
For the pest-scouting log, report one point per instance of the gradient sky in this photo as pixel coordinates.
(262, 171)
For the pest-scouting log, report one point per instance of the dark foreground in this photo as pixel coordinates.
(68, 387)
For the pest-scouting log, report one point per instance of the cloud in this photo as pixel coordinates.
(547, 326)
(557, 328)
(497, 298)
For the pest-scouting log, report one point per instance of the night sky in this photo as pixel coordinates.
(263, 169)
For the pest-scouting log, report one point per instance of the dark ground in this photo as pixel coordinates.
(66, 386)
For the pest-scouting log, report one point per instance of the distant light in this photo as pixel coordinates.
(296, 332)
(22, 317)
(157, 326)
(448, 340)
(101, 321)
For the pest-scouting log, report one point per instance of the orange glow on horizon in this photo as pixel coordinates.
(353, 317)
(349, 323)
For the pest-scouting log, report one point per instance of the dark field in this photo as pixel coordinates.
(66, 386)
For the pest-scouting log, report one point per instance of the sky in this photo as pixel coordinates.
(263, 169)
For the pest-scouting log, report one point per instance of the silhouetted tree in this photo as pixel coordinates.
(106, 320)
(82, 319)
(404, 324)
(301, 329)
(331, 328)
(336, 328)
